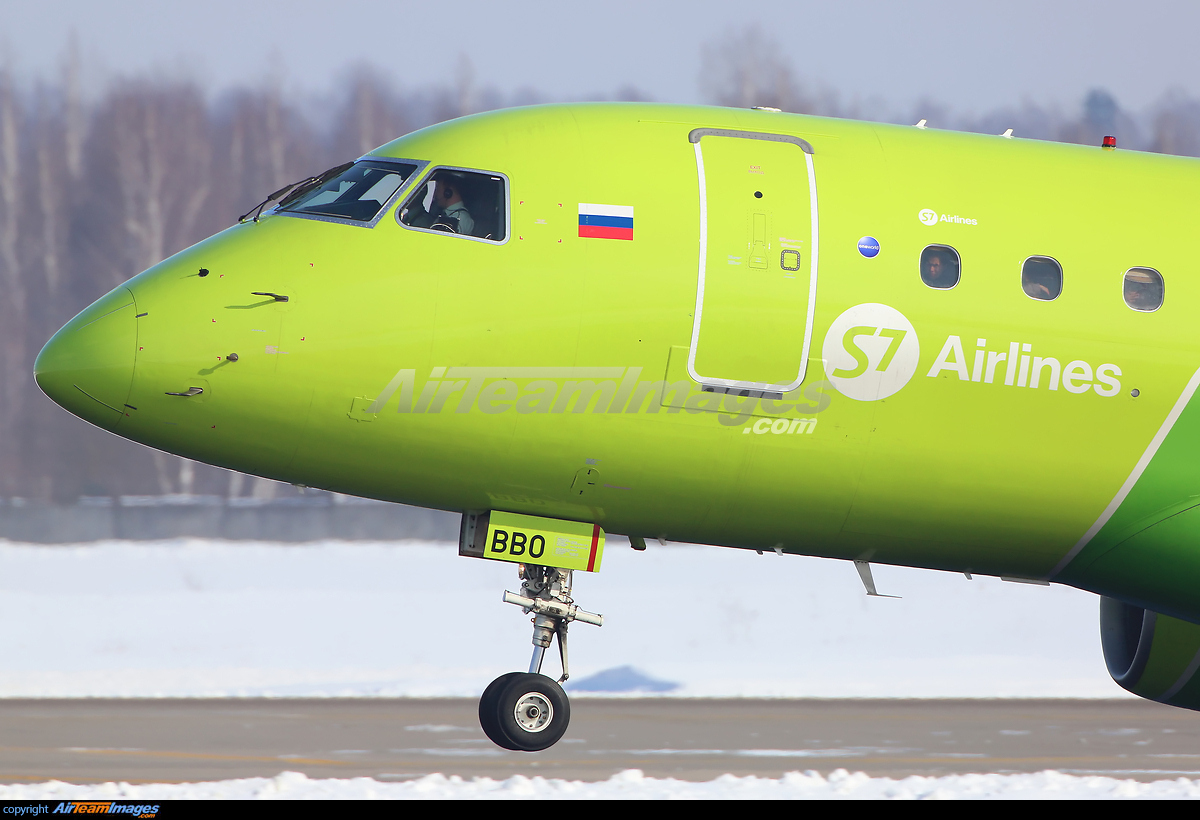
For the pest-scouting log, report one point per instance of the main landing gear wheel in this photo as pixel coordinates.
(524, 712)
(527, 711)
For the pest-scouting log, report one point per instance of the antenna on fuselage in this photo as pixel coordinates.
(864, 572)
(921, 124)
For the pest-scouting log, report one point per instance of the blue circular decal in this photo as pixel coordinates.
(868, 246)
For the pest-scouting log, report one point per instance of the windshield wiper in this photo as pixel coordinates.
(296, 189)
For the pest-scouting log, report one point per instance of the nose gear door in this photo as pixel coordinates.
(758, 260)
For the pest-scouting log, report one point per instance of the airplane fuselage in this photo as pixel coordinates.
(709, 325)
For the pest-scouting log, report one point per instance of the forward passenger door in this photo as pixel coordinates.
(757, 280)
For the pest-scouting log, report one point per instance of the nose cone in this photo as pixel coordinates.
(87, 367)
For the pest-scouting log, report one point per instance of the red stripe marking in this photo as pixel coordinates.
(604, 232)
(595, 544)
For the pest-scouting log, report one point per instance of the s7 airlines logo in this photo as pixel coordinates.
(870, 352)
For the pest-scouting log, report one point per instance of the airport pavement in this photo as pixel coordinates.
(171, 740)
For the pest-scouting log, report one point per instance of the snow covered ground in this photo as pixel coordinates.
(212, 618)
(631, 785)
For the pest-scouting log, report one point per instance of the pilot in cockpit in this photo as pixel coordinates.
(452, 213)
(465, 203)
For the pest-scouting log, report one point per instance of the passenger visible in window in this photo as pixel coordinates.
(1143, 289)
(939, 267)
(451, 212)
(1041, 278)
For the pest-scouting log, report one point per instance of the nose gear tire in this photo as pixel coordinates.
(531, 712)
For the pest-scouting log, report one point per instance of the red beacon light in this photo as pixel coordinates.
(1109, 142)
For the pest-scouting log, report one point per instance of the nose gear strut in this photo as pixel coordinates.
(546, 592)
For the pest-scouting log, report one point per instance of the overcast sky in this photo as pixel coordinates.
(972, 56)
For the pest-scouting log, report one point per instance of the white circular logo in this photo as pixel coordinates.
(870, 352)
(928, 216)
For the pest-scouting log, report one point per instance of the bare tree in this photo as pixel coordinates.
(48, 150)
(1176, 125)
(13, 380)
(154, 142)
(263, 143)
(1101, 116)
(370, 115)
(464, 85)
(750, 68)
(74, 118)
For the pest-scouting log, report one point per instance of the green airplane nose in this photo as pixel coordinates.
(87, 367)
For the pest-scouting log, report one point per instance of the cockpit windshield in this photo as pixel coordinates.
(359, 193)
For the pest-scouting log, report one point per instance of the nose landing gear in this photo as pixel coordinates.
(528, 711)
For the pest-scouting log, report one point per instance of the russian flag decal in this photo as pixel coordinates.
(605, 221)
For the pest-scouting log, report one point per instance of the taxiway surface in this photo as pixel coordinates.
(173, 740)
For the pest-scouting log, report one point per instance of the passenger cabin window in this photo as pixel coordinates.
(940, 266)
(1143, 289)
(1041, 278)
(358, 193)
(466, 203)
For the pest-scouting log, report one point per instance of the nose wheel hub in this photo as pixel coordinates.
(533, 712)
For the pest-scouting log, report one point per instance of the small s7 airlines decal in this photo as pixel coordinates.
(1017, 366)
(928, 216)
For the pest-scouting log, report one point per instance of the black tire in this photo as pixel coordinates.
(489, 714)
(535, 730)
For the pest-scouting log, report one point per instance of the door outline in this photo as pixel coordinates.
(694, 137)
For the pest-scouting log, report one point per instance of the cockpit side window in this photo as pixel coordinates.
(358, 194)
(473, 204)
